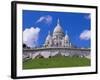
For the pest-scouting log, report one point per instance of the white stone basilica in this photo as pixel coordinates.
(56, 44)
(58, 38)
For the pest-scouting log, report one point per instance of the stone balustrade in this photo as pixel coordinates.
(50, 52)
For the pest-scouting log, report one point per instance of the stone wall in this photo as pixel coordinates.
(50, 52)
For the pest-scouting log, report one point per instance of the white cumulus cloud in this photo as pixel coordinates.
(85, 35)
(30, 36)
(46, 19)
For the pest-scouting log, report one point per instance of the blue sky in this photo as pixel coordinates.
(74, 23)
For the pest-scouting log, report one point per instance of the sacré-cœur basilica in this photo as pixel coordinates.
(56, 44)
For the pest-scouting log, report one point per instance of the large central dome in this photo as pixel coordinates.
(58, 28)
(58, 31)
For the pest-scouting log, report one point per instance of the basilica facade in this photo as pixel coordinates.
(58, 38)
(57, 43)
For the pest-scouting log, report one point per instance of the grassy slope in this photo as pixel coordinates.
(55, 62)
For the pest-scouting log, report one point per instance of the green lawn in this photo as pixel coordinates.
(55, 62)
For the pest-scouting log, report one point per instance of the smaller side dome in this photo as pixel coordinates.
(66, 37)
(48, 37)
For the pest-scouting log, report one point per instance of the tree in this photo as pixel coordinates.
(25, 46)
